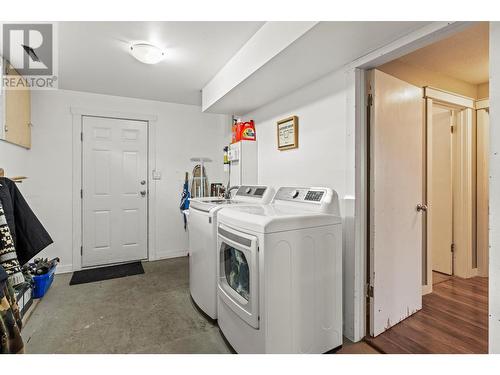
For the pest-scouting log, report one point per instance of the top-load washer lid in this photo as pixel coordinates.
(291, 209)
(204, 204)
(246, 194)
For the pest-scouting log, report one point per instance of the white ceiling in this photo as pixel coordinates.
(463, 56)
(93, 57)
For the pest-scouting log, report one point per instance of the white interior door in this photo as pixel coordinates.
(114, 190)
(396, 188)
(440, 189)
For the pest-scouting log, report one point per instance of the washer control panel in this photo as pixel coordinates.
(251, 191)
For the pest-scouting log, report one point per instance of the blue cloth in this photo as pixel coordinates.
(185, 202)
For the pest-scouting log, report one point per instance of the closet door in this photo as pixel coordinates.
(396, 190)
(17, 127)
(114, 191)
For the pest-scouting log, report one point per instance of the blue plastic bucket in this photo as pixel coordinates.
(43, 283)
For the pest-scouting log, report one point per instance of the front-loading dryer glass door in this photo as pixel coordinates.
(238, 273)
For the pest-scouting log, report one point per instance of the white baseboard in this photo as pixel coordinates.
(426, 289)
(169, 254)
(64, 268)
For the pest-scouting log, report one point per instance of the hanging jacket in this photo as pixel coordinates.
(11, 341)
(29, 235)
(8, 255)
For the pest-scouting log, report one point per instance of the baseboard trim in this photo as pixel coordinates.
(64, 268)
(169, 254)
(426, 289)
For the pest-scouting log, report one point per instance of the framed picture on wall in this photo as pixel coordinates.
(288, 133)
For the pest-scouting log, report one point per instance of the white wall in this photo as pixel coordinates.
(494, 273)
(182, 131)
(320, 158)
(325, 156)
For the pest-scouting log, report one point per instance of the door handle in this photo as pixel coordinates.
(143, 193)
(421, 207)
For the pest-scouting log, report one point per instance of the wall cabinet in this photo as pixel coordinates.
(15, 111)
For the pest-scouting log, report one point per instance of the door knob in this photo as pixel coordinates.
(143, 182)
(421, 207)
(143, 193)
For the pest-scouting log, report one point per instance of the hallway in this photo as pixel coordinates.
(453, 319)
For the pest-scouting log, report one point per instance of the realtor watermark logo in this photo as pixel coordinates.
(29, 56)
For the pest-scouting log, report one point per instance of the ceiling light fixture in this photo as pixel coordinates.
(147, 53)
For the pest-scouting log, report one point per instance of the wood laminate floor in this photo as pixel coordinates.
(453, 319)
(438, 277)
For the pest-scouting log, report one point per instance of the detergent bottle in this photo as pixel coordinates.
(247, 131)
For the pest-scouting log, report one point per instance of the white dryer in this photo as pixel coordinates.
(203, 242)
(280, 273)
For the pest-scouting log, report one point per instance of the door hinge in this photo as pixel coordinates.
(369, 291)
(81, 193)
(370, 100)
(81, 136)
(452, 247)
(452, 129)
(209, 220)
(81, 250)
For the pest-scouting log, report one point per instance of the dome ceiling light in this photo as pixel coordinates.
(147, 53)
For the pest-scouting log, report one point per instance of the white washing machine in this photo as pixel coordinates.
(280, 273)
(203, 242)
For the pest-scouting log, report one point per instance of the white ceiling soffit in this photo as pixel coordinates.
(94, 57)
(264, 45)
(327, 46)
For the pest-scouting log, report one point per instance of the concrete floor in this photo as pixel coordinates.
(149, 313)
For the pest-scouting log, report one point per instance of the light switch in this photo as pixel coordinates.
(156, 175)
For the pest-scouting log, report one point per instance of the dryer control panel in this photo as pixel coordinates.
(301, 194)
(319, 199)
(314, 196)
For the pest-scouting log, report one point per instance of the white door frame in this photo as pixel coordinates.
(482, 189)
(77, 121)
(356, 165)
(463, 181)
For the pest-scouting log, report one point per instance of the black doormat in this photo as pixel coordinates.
(106, 273)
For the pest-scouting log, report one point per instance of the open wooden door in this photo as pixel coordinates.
(396, 200)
